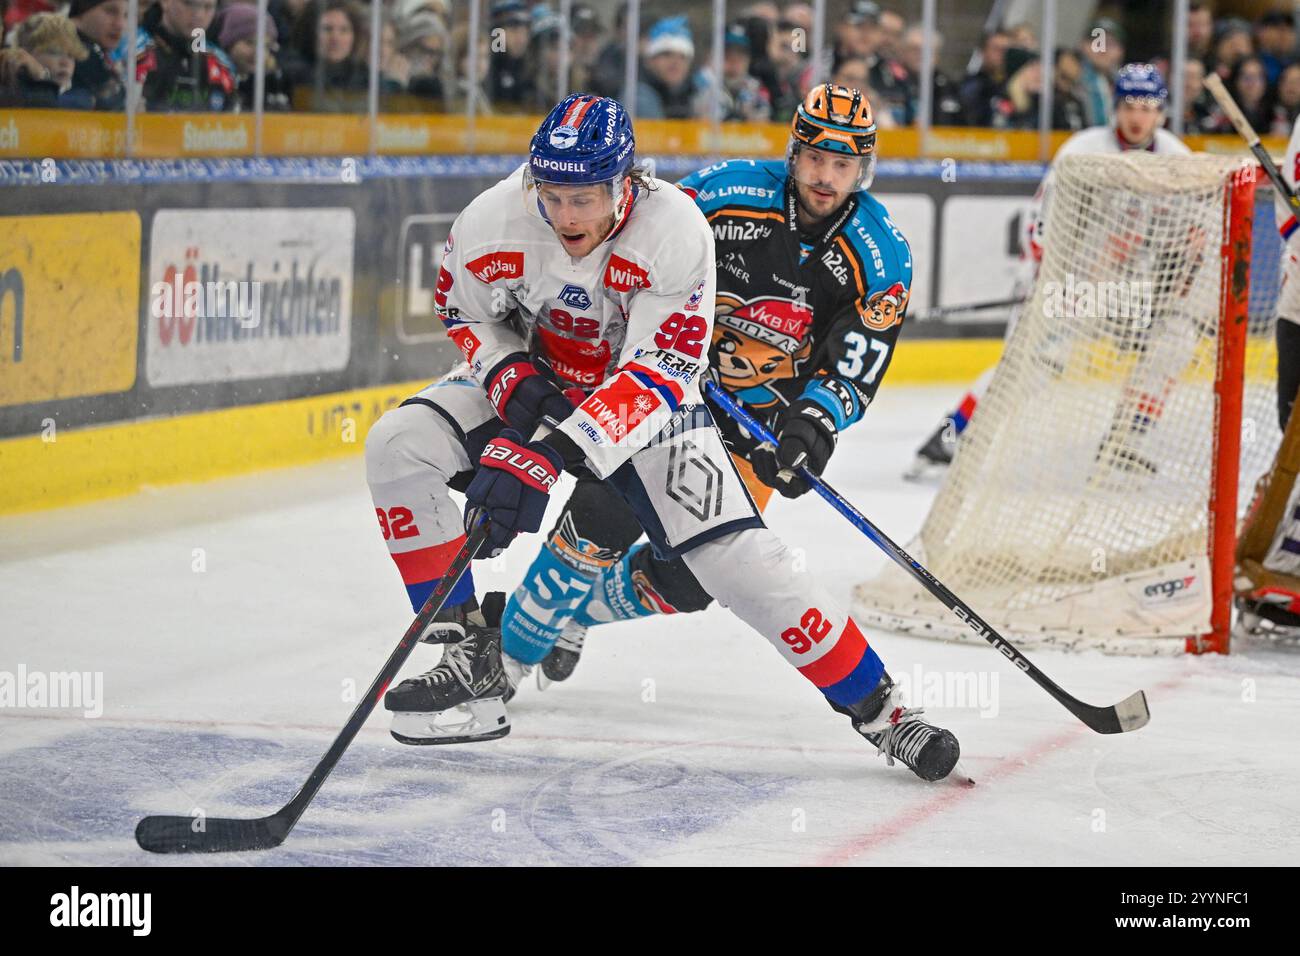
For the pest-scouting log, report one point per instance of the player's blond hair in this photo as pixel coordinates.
(51, 33)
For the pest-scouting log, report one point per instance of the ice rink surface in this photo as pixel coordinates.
(234, 622)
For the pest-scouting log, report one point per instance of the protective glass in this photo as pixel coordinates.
(572, 206)
(829, 171)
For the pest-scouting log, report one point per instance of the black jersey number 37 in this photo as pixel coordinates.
(856, 357)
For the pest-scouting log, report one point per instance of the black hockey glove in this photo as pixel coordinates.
(805, 436)
(523, 396)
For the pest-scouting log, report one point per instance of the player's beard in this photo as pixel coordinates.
(592, 236)
(816, 214)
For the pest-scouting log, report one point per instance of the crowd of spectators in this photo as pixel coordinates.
(201, 55)
(1257, 62)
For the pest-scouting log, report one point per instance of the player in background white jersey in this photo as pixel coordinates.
(581, 292)
(1140, 101)
(1288, 302)
(1270, 607)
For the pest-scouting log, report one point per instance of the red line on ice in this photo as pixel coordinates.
(954, 793)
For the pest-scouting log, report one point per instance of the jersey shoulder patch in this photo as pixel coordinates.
(877, 243)
(741, 183)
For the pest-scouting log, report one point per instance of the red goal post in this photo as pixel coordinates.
(1229, 391)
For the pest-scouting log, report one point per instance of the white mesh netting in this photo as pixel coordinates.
(1076, 509)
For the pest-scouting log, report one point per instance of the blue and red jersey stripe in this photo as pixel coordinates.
(423, 568)
(849, 671)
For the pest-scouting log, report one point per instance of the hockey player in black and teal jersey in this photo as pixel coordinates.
(808, 309)
(812, 285)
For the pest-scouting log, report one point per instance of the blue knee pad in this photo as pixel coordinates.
(542, 605)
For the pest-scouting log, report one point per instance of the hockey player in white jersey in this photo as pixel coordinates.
(581, 293)
(1141, 97)
(1267, 582)
(1288, 301)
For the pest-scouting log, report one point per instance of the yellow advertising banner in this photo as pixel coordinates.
(62, 134)
(69, 134)
(69, 303)
(86, 464)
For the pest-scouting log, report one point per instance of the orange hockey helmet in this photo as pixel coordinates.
(836, 119)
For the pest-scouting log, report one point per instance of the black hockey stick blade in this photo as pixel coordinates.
(1129, 714)
(175, 834)
(169, 834)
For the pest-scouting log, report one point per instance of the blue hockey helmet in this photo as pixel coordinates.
(1140, 82)
(585, 139)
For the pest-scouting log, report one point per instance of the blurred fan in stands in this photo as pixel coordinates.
(744, 98)
(38, 71)
(422, 40)
(1015, 106)
(236, 29)
(584, 45)
(174, 75)
(544, 61)
(980, 86)
(1102, 51)
(508, 83)
(332, 75)
(946, 107)
(101, 24)
(670, 88)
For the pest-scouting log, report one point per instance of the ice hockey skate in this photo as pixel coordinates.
(559, 664)
(1267, 619)
(899, 733)
(934, 457)
(463, 699)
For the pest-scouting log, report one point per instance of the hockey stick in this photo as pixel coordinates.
(173, 834)
(940, 311)
(1129, 714)
(1247, 132)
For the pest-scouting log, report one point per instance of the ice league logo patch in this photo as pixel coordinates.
(693, 303)
(575, 297)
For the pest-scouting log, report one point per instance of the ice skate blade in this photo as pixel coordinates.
(926, 472)
(959, 776)
(437, 741)
(477, 720)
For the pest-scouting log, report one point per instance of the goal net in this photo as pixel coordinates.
(1094, 497)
